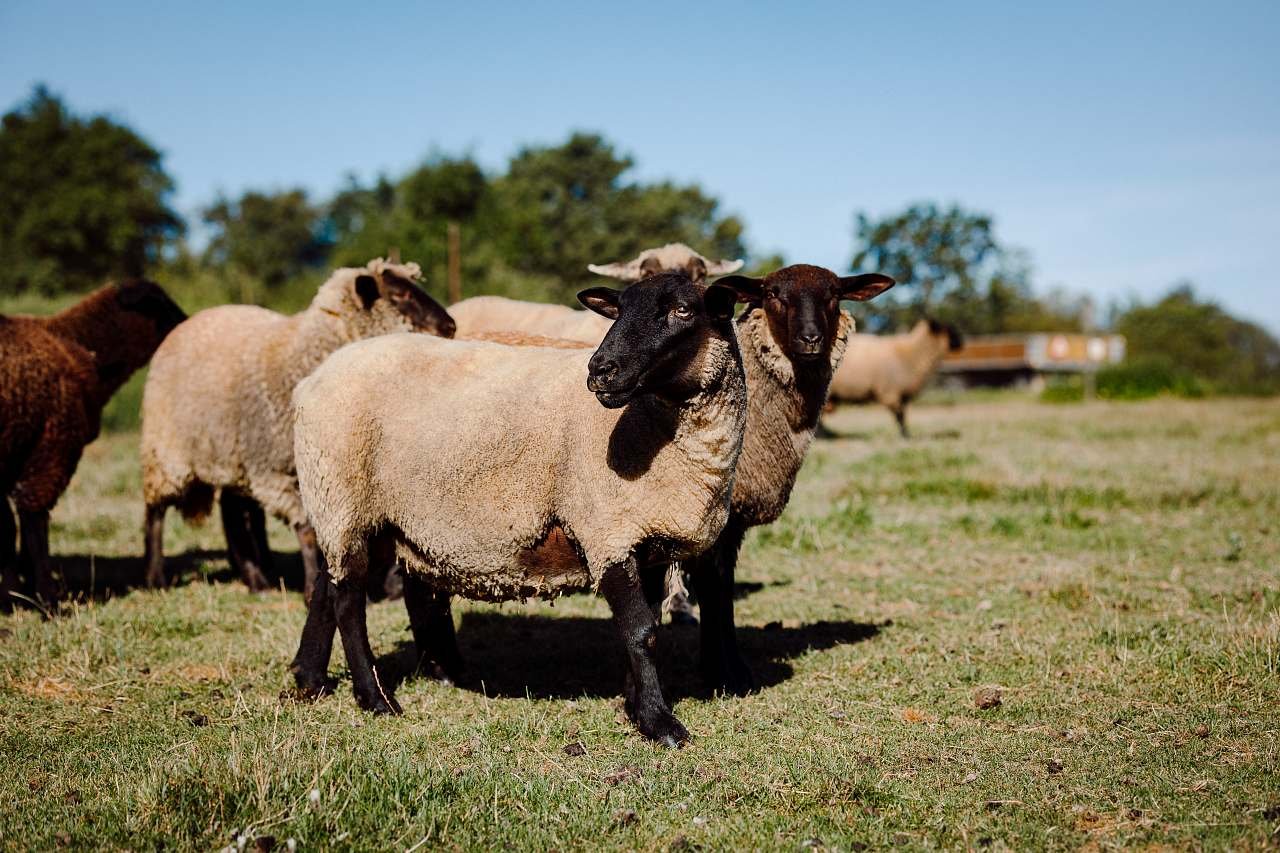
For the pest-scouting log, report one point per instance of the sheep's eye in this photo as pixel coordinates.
(684, 312)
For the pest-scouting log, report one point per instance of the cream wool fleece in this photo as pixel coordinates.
(889, 369)
(217, 405)
(477, 453)
(484, 314)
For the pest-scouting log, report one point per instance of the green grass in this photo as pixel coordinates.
(1113, 568)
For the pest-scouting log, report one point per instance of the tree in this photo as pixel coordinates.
(560, 208)
(270, 237)
(81, 199)
(929, 251)
(1181, 330)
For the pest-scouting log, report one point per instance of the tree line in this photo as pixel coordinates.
(86, 198)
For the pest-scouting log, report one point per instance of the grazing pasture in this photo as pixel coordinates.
(1109, 573)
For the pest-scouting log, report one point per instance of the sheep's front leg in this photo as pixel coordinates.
(722, 665)
(35, 552)
(310, 665)
(349, 598)
(431, 620)
(238, 518)
(638, 630)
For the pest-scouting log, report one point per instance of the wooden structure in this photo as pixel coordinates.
(1027, 359)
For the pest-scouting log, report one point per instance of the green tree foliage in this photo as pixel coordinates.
(948, 264)
(1186, 333)
(271, 237)
(82, 199)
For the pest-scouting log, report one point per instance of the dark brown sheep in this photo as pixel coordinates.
(56, 374)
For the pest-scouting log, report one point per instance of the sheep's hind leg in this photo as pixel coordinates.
(310, 665)
(8, 555)
(431, 620)
(350, 606)
(722, 665)
(311, 560)
(154, 546)
(238, 523)
(638, 630)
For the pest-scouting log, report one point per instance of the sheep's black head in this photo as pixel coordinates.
(674, 258)
(802, 305)
(945, 331)
(661, 331)
(148, 302)
(406, 299)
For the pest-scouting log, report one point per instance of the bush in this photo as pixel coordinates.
(1141, 379)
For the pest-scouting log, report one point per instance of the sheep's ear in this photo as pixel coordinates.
(622, 272)
(724, 266)
(366, 290)
(602, 300)
(860, 288)
(747, 288)
(719, 301)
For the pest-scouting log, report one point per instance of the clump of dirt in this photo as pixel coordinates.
(988, 697)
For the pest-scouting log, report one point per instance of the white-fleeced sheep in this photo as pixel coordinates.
(891, 369)
(499, 476)
(217, 416)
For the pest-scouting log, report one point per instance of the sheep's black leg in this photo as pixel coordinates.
(350, 606)
(8, 555)
(35, 553)
(311, 560)
(154, 539)
(258, 537)
(900, 415)
(722, 665)
(431, 620)
(310, 665)
(638, 630)
(237, 524)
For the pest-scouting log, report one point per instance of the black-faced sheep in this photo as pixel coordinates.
(482, 314)
(498, 476)
(56, 374)
(891, 369)
(217, 416)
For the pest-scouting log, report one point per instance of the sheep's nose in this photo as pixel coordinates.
(603, 369)
(810, 339)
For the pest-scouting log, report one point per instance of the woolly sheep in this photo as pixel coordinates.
(500, 314)
(216, 410)
(498, 476)
(891, 369)
(56, 374)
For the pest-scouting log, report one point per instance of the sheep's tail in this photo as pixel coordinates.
(196, 502)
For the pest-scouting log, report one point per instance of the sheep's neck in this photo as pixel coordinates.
(316, 334)
(920, 353)
(91, 323)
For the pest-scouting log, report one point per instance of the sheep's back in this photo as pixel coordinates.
(499, 314)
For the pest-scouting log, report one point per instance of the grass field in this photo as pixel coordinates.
(1112, 569)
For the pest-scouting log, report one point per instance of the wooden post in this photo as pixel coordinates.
(393, 255)
(455, 263)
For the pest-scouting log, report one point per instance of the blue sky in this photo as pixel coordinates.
(1125, 145)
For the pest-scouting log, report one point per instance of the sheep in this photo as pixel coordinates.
(497, 477)
(56, 374)
(891, 369)
(216, 410)
(499, 314)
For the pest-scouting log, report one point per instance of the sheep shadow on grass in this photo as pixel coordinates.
(94, 577)
(517, 655)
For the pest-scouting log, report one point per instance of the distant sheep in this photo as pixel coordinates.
(891, 369)
(56, 374)
(498, 476)
(216, 412)
(499, 314)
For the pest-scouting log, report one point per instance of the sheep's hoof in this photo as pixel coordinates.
(661, 726)
(380, 705)
(733, 678)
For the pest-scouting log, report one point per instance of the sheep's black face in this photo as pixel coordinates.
(148, 301)
(412, 301)
(660, 325)
(939, 330)
(802, 305)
